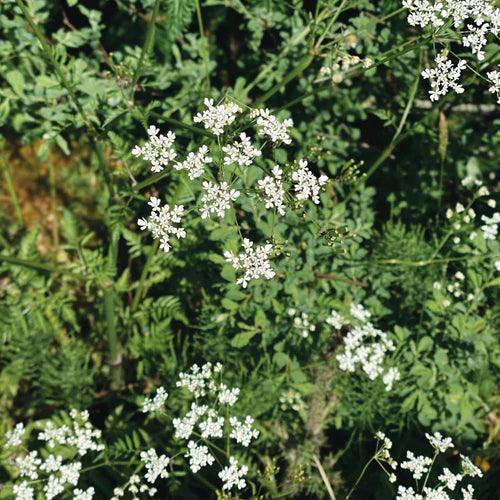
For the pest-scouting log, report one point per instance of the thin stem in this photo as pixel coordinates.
(147, 46)
(145, 272)
(12, 191)
(359, 477)
(35, 265)
(204, 46)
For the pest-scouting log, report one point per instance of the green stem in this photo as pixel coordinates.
(359, 478)
(146, 48)
(204, 47)
(35, 265)
(145, 271)
(12, 191)
(303, 64)
(114, 347)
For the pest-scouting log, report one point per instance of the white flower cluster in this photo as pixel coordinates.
(195, 162)
(494, 77)
(365, 347)
(156, 465)
(447, 480)
(269, 126)
(134, 485)
(158, 151)
(199, 456)
(156, 403)
(242, 153)
(162, 222)
(220, 189)
(274, 192)
(475, 20)
(202, 383)
(14, 437)
(307, 185)
(490, 226)
(443, 77)
(232, 475)
(243, 432)
(301, 322)
(417, 465)
(217, 199)
(254, 261)
(82, 434)
(216, 118)
(52, 474)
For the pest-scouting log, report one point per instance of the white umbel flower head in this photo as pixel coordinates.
(438, 442)
(14, 437)
(155, 403)
(494, 77)
(156, 466)
(216, 118)
(269, 126)
(199, 456)
(254, 261)
(158, 151)
(22, 491)
(417, 465)
(243, 432)
(87, 494)
(195, 162)
(217, 199)
(242, 153)
(444, 77)
(162, 222)
(273, 190)
(232, 475)
(306, 184)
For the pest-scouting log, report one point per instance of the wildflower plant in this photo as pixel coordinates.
(231, 171)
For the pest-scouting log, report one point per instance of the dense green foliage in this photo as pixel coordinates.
(93, 316)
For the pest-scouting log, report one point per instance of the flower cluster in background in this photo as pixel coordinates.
(364, 346)
(475, 21)
(420, 468)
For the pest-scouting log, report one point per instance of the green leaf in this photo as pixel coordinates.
(243, 338)
(16, 81)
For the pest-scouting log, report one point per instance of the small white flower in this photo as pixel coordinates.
(28, 465)
(444, 77)
(469, 469)
(449, 479)
(417, 465)
(158, 151)
(228, 396)
(156, 403)
(22, 491)
(336, 320)
(243, 432)
(162, 223)
(216, 199)
(438, 442)
(241, 153)
(269, 126)
(232, 475)
(212, 426)
(87, 494)
(468, 493)
(217, 118)
(14, 437)
(254, 261)
(274, 192)
(156, 466)
(195, 162)
(494, 77)
(199, 456)
(306, 184)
